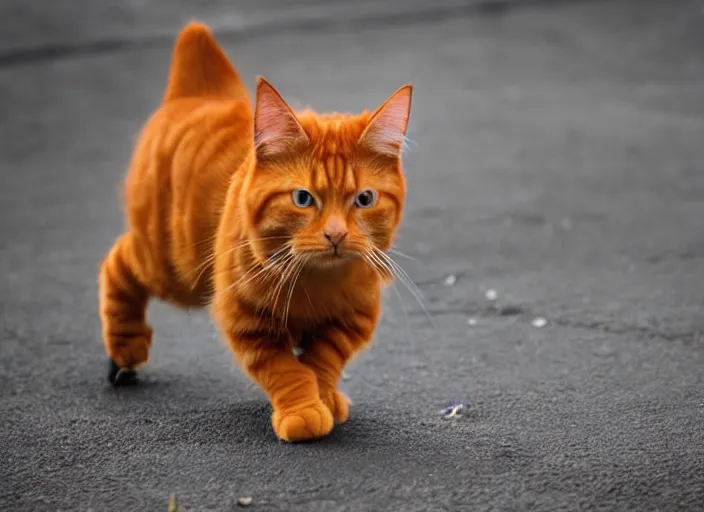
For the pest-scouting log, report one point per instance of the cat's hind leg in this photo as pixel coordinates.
(123, 303)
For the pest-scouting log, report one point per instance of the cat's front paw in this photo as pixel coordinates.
(338, 403)
(310, 422)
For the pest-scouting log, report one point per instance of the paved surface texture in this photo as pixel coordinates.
(557, 160)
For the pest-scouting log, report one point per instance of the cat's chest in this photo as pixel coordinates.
(322, 300)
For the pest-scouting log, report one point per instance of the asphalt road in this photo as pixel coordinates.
(557, 160)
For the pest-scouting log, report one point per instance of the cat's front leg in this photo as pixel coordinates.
(299, 414)
(327, 355)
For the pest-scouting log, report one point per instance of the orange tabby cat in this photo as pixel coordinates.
(278, 221)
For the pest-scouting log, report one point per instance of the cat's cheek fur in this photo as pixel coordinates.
(379, 224)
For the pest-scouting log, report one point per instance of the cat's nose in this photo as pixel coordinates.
(336, 237)
(335, 231)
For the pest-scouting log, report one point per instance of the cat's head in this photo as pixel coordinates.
(326, 188)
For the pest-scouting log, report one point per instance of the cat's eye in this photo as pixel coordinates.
(302, 198)
(366, 198)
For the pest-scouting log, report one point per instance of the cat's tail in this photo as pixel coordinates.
(200, 68)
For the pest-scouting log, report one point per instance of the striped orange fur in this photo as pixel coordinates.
(278, 221)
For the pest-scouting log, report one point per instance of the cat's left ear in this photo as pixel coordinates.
(386, 130)
(276, 128)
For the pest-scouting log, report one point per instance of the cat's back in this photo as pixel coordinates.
(186, 155)
(182, 165)
(188, 141)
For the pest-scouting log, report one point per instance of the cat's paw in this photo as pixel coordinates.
(339, 405)
(310, 422)
(119, 376)
(129, 351)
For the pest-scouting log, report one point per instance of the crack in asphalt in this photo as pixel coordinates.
(480, 8)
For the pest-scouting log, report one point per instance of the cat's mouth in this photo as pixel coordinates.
(331, 258)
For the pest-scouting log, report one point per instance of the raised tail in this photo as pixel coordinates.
(200, 68)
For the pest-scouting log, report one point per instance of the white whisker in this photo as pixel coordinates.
(407, 281)
(303, 260)
(404, 255)
(385, 271)
(268, 270)
(291, 265)
(204, 265)
(276, 258)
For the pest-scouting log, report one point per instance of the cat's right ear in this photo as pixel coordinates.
(386, 132)
(276, 128)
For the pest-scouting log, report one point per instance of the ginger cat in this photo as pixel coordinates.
(279, 221)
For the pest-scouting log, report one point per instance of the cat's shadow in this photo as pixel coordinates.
(197, 421)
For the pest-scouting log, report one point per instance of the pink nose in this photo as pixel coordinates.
(335, 231)
(335, 237)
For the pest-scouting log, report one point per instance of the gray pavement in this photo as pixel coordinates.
(557, 160)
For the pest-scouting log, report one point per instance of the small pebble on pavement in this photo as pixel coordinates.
(453, 411)
(245, 501)
(539, 322)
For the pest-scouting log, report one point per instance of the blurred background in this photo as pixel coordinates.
(555, 219)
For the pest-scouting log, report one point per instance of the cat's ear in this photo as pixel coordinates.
(386, 131)
(276, 128)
